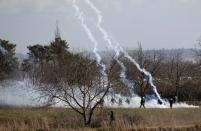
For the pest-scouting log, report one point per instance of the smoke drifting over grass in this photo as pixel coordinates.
(135, 103)
(17, 93)
(21, 93)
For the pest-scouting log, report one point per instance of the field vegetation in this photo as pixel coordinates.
(125, 119)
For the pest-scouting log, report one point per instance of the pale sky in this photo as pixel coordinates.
(155, 23)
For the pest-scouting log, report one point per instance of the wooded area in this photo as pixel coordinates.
(75, 78)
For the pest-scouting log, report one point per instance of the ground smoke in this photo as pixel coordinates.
(21, 93)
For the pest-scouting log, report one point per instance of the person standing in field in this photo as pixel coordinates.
(112, 100)
(142, 102)
(120, 101)
(127, 101)
(171, 102)
(112, 118)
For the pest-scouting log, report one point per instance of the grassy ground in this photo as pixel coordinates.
(125, 119)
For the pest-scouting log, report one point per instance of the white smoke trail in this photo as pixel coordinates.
(123, 76)
(143, 71)
(91, 37)
(108, 39)
(117, 51)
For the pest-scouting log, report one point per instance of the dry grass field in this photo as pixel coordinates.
(60, 119)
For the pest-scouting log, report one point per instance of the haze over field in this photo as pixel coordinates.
(156, 23)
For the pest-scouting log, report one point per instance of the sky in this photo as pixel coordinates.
(155, 23)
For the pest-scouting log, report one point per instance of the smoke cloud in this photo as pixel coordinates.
(21, 93)
(108, 39)
(92, 39)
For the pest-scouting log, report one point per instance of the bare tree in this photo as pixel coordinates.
(149, 60)
(69, 78)
(178, 72)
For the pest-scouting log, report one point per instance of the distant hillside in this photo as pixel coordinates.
(187, 54)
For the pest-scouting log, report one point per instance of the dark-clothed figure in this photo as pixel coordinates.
(160, 102)
(112, 100)
(120, 101)
(112, 118)
(101, 103)
(127, 101)
(171, 102)
(142, 102)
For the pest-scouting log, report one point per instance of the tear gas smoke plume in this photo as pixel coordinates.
(21, 93)
(109, 41)
(80, 16)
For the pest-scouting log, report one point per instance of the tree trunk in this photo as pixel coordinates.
(85, 119)
(90, 116)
